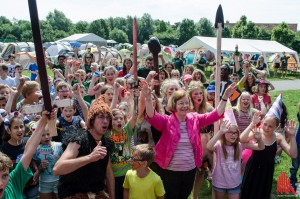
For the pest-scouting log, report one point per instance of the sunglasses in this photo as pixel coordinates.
(136, 160)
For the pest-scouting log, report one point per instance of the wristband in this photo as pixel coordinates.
(225, 100)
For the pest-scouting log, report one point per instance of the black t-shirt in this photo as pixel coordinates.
(89, 178)
(14, 152)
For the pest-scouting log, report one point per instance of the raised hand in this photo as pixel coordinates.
(229, 90)
(257, 133)
(145, 90)
(291, 127)
(256, 118)
(224, 127)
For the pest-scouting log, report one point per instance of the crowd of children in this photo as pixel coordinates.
(106, 146)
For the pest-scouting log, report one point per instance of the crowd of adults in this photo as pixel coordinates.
(106, 146)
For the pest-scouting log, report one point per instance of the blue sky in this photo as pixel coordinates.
(259, 11)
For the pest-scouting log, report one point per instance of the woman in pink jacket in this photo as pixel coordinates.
(179, 150)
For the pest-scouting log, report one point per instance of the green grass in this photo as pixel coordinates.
(291, 100)
(49, 72)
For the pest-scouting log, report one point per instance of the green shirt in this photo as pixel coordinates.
(120, 153)
(143, 72)
(17, 180)
(57, 66)
(178, 63)
(284, 60)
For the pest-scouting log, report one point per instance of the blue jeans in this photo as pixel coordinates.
(294, 168)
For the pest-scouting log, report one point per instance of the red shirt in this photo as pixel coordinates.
(266, 99)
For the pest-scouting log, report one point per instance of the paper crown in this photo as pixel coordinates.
(276, 108)
(228, 114)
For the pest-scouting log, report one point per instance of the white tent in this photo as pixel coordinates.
(85, 38)
(246, 46)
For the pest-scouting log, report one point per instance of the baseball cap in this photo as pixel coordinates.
(186, 77)
(211, 89)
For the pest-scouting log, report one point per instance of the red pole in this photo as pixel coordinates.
(135, 64)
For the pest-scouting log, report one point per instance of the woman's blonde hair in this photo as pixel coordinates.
(203, 78)
(194, 85)
(167, 83)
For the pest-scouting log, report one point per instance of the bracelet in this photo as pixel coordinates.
(225, 100)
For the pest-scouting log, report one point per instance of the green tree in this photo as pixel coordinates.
(59, 21)
(226, 33)
(118, 35)
(237, 30)
(249, 31)
(145, 28)
(81, 27)
(47, 32)
(263, 34)
(283, 34)
(4, 20)
(99, 27)
(161, 27)
(128, 28)
(186, 30)
(167, 38)
(205, 28)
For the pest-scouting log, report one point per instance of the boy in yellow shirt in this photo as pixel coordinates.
(141, 181)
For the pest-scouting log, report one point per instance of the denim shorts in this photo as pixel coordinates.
(48, 187)
(235, 190)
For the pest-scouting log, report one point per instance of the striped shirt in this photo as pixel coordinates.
(183, 158)
(243, 119)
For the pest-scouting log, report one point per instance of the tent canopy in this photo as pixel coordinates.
(246, 46)
(86, 38)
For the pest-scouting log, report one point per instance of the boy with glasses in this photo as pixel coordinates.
(141, 181)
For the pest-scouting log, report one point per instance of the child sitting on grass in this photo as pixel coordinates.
(141, 181)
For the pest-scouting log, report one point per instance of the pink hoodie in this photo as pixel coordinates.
(169, 126)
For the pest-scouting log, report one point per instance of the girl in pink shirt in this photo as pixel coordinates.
(261, 95)
(228, 150)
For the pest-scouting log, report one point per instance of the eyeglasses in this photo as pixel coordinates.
(63, 91)
(135, 160)
(233, 133)
(103, 117)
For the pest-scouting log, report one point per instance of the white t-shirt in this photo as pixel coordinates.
(11, 69)
(8, 81)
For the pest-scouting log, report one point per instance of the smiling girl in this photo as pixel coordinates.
(228, 150)
(258, 178)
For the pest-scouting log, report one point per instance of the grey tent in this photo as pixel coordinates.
(85, 38)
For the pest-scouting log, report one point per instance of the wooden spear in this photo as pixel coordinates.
(155, 48)
(219, 25)
(39, 53)
(40, 59)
